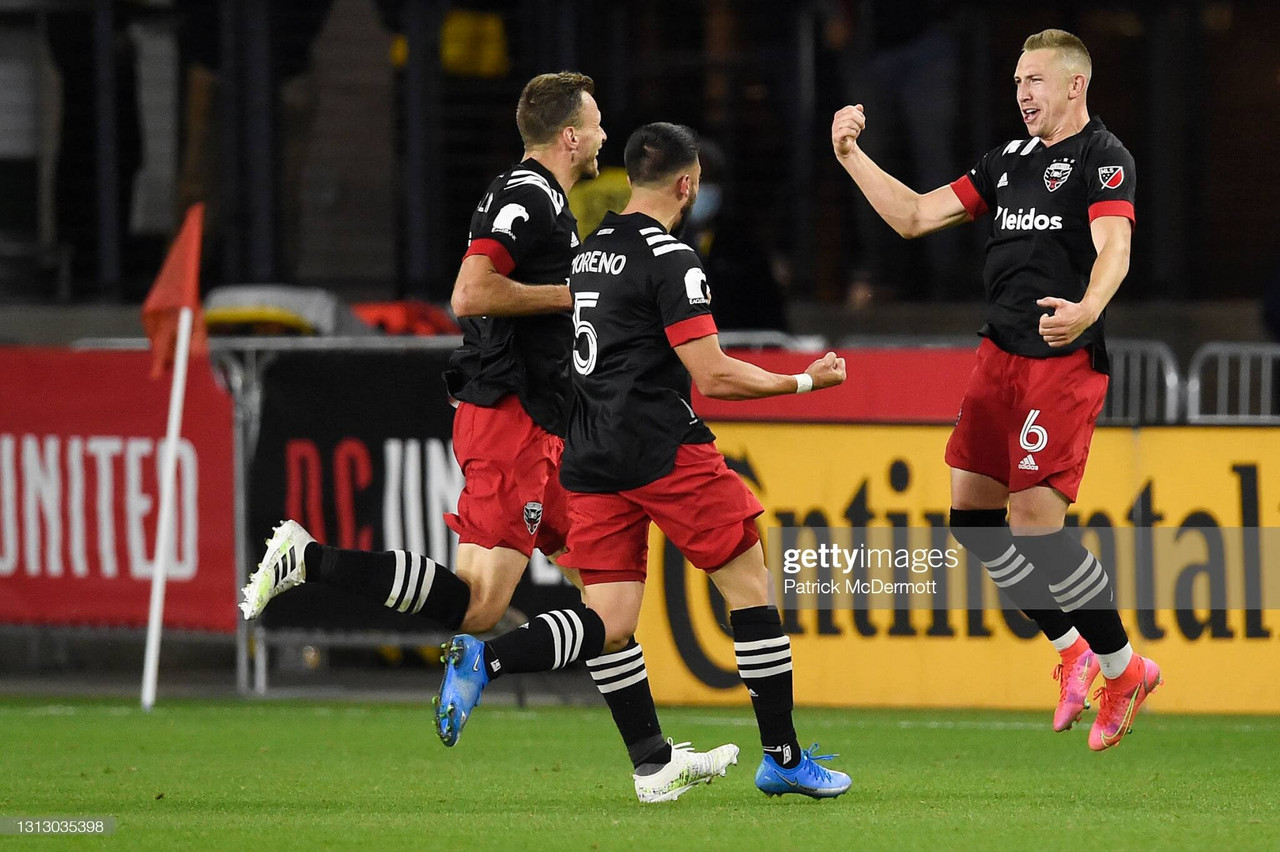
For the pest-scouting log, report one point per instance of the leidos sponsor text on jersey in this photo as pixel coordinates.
(1026, 220)
(1045, 202)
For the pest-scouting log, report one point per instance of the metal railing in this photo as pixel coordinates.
(1234, 384)
(1146, 387)
(771, 339)
(239, 363)
(1228, 383)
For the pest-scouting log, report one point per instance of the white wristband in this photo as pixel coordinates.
(804, 382)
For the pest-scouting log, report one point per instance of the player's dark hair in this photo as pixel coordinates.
(550, 103)
(656, 152)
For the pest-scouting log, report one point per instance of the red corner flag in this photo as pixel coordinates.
(177, 287)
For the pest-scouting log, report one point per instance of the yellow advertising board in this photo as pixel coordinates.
(1190, 482)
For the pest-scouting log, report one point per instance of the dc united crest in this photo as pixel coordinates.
(1056, 175)
(532, 516)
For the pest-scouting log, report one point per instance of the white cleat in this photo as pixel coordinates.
(281, 568)
(686, 769)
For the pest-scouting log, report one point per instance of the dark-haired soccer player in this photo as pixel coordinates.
(637, 452)
(1059, 248)
(511, 380)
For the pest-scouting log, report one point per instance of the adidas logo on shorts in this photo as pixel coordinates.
(1028, 463)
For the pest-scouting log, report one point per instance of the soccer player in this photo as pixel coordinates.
(511, 380)
(637, 452)
(1059, 248)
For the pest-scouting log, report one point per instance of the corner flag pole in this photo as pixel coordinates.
(166, 522)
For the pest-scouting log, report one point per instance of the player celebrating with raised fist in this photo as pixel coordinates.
(637, 452)
(1059, 249)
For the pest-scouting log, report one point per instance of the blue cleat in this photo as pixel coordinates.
(465, 678)
(806, 777)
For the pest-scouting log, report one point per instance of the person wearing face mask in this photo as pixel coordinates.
(636, 453)
(511, 381)
(733, 254)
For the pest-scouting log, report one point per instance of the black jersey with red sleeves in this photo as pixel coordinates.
(1044, 200)
(638, 292)
(523, 225)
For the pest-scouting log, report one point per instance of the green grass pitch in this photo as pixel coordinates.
(309, 776)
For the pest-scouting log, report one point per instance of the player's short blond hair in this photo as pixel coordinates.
(1075, 56)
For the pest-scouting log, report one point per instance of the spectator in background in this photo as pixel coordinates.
(902, 58)
(293, 30)
(747, 294)
(71, 43)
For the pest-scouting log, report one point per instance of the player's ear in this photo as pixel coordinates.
(569, 134)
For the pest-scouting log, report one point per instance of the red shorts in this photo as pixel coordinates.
(702, 506)
(512, 497)
(1028, 421)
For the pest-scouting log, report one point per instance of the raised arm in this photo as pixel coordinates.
(721, 376)
(481, 290)
(908, 212)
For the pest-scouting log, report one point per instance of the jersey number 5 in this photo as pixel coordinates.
(584, 361)
(1033, 438)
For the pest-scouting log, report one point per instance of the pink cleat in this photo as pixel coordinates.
(1120, 700)
(1074, 676)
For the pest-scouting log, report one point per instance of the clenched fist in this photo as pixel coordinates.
(1068, 321)
(827, 371)
(846, 127)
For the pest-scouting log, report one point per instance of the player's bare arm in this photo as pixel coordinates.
(1112, 236)
(480, 290)
(721, 376)
(910, 213)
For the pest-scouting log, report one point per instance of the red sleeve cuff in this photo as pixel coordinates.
(968, 194)
(691, 329)
(495, 251)
(1111, 208)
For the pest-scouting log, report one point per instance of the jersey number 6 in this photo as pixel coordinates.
(584, 362)
(1033, 438)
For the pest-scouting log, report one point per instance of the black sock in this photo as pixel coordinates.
(1079, 584)
(984, 533)
(623, 680)
(553, 640)
(397, 579)
(764, 664)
